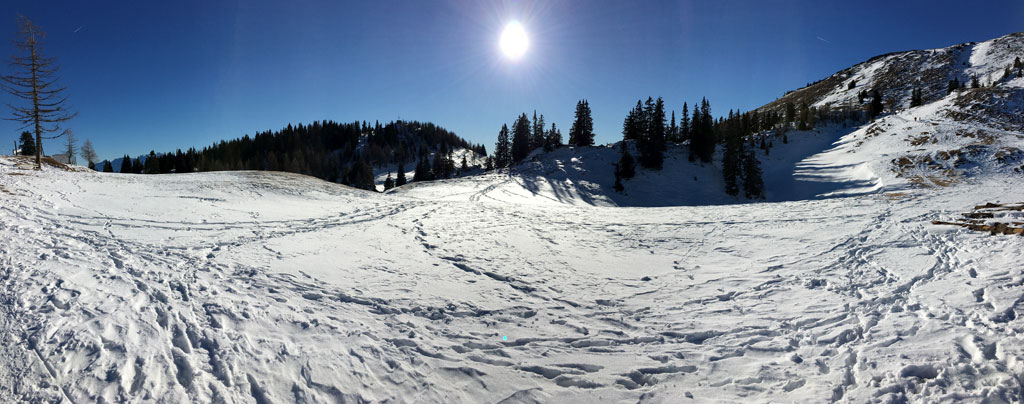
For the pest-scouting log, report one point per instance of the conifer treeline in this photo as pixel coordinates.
(645, 125)
(328, 150)
(515, 145)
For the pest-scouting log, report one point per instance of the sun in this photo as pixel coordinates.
(514, 40)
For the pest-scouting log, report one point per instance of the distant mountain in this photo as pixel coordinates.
(116, 163)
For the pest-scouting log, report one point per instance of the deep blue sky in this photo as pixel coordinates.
(165, 75)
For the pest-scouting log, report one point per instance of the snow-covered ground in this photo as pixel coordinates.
(272, 287)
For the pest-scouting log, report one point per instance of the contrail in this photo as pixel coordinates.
(82, 26)
(823, 40)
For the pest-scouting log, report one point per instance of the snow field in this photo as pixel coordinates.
(270, 287)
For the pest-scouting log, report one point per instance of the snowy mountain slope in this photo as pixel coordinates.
(920, 146)
(966, 135)
(896, 74)
(952, 137)
(270, 287)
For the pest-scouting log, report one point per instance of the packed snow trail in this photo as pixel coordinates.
(271, 287)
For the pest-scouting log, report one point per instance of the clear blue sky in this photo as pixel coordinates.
(165, 75)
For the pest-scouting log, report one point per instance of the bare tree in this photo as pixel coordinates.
(72, 148)
(89, 154)
(35, 82)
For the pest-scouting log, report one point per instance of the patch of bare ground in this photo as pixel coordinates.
(895, 196)
(29, 162)
(992, 218)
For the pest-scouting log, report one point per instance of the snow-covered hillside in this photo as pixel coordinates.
(954, 135)
(585, 176)
(270, 287)
(894, 75)
(952, 138)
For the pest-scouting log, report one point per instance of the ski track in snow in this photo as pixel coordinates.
(269, 287)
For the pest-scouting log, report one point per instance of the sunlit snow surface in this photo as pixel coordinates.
(272, 287)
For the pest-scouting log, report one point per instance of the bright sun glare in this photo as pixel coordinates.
(514, 40)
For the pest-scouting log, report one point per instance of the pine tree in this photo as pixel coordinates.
(447, 168)
(422, 172)
(702, 143)
(538, 138)
(1016, 63)
(852, 85)
(684, 125)
(695, 135)
(89, 154)
(582, 131)
(503, 149)
(126, 165)
(876, 106)
(465, 165)
(916, 98)
(400, 179)
(953, 86)
(651, 143)
(635, 123)
(361, 175)
(753, 184)
(975, 83)
(552, 139)
(388, 182)
(520, 139)
(626, 168)
(673, 130)
(152, 165)
(790, 113)
(107, 168)
(28, 144)
(438, 166)
(35, 83)
(731, 157)
(646, 123)
(449, 164)
(803, 117)
(136, 167)
(658, 131)
(709, 130)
